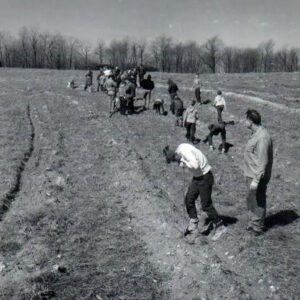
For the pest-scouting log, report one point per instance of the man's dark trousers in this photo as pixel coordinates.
(201, 186)
(190, 131)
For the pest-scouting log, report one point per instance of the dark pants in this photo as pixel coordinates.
(198, 94)
(159, 108)
(256, 204)
(190, 131)
(216, 132)
(130, 106)
(123, 104)
(201, 186)
(219, 110)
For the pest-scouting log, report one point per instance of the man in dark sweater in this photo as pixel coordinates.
(172, 89)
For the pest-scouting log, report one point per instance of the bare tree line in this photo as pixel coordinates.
(34, 49)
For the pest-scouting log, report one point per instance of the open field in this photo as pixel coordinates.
(90, 209)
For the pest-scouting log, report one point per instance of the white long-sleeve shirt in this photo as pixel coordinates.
(219, 100)
(193, 159)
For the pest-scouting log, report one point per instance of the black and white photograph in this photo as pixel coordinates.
(149, 149)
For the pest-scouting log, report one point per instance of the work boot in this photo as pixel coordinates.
(255, 231)
(218, 230)
(192, 227)
(206, 228)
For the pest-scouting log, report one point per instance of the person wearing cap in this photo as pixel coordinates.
(196, 86)
(258, 160)
(190, 117)
(219, 104)
(192, 158)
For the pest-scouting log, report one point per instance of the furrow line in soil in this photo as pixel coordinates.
(15, 189)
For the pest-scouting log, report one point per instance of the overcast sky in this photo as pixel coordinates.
(239, 23)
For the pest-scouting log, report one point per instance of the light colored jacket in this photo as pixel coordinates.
(258, 156)
(219, 100)
(190, 114)
(197, 83)
(193, 159)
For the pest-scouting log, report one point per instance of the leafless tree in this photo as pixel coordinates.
(266, 55)
(100, 51)
(212, 53)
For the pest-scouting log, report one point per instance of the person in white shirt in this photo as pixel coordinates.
(220, 105)
(192, 158)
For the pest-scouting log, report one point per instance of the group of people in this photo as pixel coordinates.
(258, 155)
(121, 87)
(257, 167)
(188, 117)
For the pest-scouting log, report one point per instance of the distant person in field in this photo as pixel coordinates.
(148, 85)
(122, 96)
(258, 160)
(158, 106)
(220, 104)
(190, 117)
(130, 94)
(172, 89)
(141, 73)
(188, 156)
(177, 109)
(88, 79)
(99, 79)
(196, 87)
(111, 87)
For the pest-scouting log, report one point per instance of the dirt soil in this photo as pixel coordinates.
(90, 209)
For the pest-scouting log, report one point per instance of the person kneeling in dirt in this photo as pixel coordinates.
(192, 158)
(215, 129)
(158, 106)
(190, 117)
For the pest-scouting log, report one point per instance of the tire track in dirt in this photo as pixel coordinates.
(15, 189)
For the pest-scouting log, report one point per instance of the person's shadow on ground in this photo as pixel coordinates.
(281, 218)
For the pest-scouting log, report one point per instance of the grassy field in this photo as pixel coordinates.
(90, 209)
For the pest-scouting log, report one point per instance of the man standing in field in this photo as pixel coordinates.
(258, 160)
(196, 86)
(192, 158)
